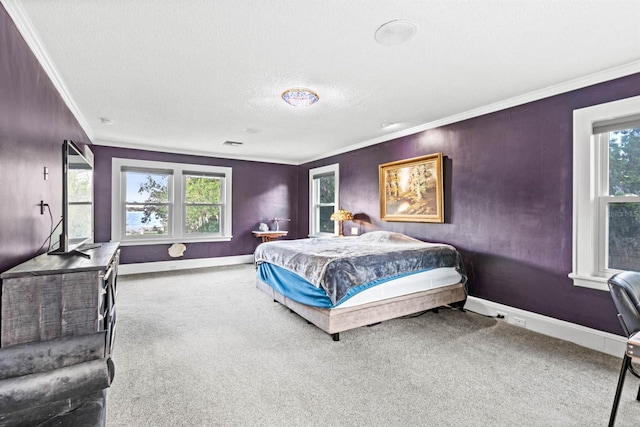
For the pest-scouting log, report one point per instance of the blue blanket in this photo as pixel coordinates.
(337, 265)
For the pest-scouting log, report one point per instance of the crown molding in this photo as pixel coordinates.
(230, 156)
(30, 36)
(581, 82)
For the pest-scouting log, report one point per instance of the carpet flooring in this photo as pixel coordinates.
(206, 348)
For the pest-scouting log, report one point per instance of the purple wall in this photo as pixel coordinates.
(508, 188)
(34, 121)
(508, 200)
(260, 191)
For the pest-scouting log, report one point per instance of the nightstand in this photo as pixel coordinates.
(271, 235)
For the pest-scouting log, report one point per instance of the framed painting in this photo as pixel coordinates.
(411, 190)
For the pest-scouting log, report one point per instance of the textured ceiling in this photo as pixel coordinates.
(187, 75)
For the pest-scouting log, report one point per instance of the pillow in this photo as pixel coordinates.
(387, 237)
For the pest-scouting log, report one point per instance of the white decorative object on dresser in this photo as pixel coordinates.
(49, 297)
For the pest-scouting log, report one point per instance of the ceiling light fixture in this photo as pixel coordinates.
(300, 97)
(395, 32)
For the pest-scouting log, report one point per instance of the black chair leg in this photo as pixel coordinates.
(626, 362)
(638, 395)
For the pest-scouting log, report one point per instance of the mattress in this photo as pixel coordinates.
(423, 281)
(298, 289)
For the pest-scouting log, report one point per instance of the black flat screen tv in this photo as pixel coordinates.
(76, 225)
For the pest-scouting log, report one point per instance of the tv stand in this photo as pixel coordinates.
(80, 250)
(80, 253)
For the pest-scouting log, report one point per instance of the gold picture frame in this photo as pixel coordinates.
(411, 190)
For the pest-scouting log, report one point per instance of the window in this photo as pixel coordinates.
(160, 202)
(146, 206)
(323, 199)
(203, 203)
(606, 218)
(619, 197)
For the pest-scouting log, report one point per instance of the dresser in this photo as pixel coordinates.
(52, 296)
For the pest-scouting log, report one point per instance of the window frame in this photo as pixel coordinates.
(604, 200)
(589, 202)
(314, 203)
(125, 203)
(177, 206)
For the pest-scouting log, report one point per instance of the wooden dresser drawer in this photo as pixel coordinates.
(56, 296)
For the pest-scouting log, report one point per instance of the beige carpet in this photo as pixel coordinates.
(206, 348)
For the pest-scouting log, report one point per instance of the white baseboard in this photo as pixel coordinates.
(183, 264)
(605, 342)
(594, 339)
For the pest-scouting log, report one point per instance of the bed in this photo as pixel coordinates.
(345, 283)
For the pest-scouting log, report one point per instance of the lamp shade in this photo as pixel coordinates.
(341, 215)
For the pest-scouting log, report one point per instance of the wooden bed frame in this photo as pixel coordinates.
(336, 320)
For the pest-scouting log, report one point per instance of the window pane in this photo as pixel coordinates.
(327, 189)
(202, 189)
(624, 236)
(624, 162)
(202, 219)
(145, 187)
(150, 216)
(147, 220)
(326, 225)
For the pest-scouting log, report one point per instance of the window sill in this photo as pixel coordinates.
(591, 282)
(142, 242)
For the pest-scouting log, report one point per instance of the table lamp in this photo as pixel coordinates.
(341, 215)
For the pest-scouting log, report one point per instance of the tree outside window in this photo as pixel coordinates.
(326, 205)
(203, 203)
(147, 205)
(324, 190)
(623, 205)
(165, 202)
